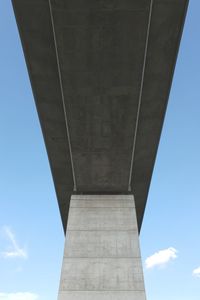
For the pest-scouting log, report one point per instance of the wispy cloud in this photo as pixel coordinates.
(196, 272)
(161, 257)
(14, 249)
(18, 296)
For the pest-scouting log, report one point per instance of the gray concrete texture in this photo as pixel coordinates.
(102, 256)
(86, 60)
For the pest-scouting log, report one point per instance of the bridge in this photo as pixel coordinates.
(101, 72)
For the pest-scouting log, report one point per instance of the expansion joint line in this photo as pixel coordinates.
(62, 93)
(140, 95)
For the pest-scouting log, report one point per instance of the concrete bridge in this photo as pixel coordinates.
(101, 72)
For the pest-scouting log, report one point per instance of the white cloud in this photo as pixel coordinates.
(161, 257)
(18, 296)
(196, 272)
(14, 249)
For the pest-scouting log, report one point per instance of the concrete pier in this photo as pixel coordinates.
(102, 257)
(101, 72)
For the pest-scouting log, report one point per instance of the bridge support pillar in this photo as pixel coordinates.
(102, 257)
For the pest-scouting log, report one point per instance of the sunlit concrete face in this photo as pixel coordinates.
(102, 257)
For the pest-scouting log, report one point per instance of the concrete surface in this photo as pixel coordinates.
(102, 256)
(101, 77)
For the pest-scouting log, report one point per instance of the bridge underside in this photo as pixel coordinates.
(101, 72)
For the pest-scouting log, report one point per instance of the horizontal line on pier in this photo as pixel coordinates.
(133, 230)
(65, 291)
(101, 257)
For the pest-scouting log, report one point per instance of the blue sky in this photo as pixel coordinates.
(31, 235)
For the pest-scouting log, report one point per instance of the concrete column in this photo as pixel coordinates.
(102, 257)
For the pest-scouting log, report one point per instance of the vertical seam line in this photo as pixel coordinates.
(140, 95)
(62, 95)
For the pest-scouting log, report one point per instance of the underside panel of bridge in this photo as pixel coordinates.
(101, 72)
